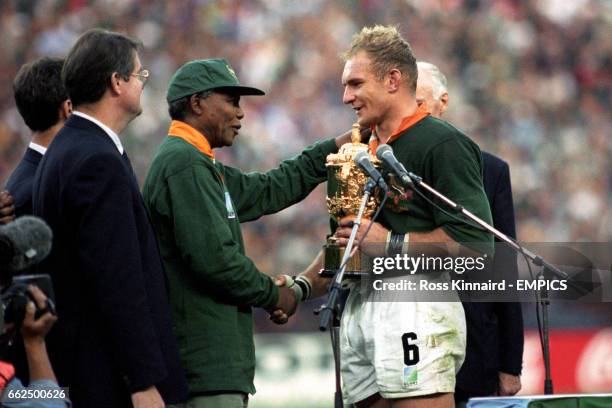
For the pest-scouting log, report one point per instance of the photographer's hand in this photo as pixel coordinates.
(34, 332)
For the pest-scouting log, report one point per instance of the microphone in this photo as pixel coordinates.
(362, 159)
(385, 155)
(23, 243)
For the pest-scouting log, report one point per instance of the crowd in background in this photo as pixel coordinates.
(529, 81)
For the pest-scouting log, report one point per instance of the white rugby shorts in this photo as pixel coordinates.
(399, 349)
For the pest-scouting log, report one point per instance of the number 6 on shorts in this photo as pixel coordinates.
(411, 351)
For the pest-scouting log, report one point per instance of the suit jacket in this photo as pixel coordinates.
(19, 183)
(114, 335)
(494, 330)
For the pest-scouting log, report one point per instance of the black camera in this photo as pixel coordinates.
(16, 296)
(23, 243)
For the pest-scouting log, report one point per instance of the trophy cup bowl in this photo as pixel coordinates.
(345, 189)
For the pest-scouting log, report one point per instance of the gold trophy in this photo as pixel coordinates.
(345, 189)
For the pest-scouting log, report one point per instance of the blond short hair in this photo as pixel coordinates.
(388, 50)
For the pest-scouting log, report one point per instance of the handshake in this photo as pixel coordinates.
(291, 291)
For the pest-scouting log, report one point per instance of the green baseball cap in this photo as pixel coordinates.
(206, 75)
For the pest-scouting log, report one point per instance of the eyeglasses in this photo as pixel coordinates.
(142, 75)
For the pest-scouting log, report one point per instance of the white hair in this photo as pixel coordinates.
(438, 79)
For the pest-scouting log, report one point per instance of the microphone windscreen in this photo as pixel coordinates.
(360, 156)
(382, 149)
(31, 239)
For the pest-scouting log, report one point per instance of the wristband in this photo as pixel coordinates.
(396, 243)
(406, 243)
(388, 241)
(305, 285)
(290, 283)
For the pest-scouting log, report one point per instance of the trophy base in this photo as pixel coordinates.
(357, 266)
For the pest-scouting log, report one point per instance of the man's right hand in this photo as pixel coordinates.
(508, 384)
(149, 398)
(7, 207)
(286, 305)
(279, 316)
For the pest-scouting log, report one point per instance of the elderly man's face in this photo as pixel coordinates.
(221, 118)
(425, 96)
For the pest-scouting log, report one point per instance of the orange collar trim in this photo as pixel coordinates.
(409, 121)
(192, 136)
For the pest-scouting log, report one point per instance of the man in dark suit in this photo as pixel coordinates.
(113, 344)
(494, 330)
(42, 102)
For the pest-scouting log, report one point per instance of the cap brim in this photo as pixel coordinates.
(239, 90)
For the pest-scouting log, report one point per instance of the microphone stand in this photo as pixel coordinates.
(545, 302)
(536, 259)
(331, 308)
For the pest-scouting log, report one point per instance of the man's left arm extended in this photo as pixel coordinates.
(256, 194)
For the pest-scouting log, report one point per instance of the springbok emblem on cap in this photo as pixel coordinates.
(231, 71)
